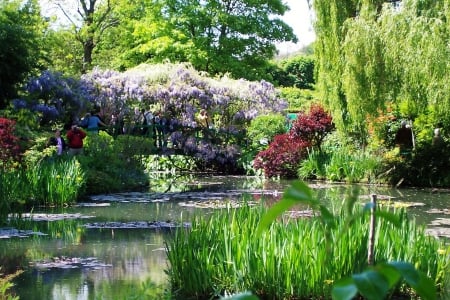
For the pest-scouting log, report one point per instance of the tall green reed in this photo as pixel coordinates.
(341, 164)
(291, 259)
(56, 182)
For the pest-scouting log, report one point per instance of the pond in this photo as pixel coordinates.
(111, 246)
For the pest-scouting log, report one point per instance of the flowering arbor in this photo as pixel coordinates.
(177, 92)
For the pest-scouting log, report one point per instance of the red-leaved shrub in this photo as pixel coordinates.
(9, 143)
(312, 126)
(282, 157)
(286, 151)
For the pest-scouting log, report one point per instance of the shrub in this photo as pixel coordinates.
(264, 128)
(9, 143)
(312, 127)
(285, 153)
(282, 157)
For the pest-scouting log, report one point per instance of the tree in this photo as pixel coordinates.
(89, 23)
(373, 56)
(235, 36)
(21, 28)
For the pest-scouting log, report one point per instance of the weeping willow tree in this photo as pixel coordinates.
(372, 55)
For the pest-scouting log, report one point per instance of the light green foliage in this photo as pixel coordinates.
(288, 258)
(6, 284)
(341, 164)
(214, 36)
(263, 128)
(114, 164)
(371, 56)
(298, 99)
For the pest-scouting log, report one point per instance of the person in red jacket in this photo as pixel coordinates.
(75, 138)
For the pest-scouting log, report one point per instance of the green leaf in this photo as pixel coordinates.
(391, 274)
(297, 192)
(344, 289)
(389, 217)
(276, 210)
(300, 192)
(407, 271)
(423, 285)
(327, 216)
(371, 284)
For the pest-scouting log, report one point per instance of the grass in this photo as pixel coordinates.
(293, 259)
(50, 183)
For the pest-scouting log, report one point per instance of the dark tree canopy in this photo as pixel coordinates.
(19, 44)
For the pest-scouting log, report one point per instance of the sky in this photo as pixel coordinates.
(300, 19)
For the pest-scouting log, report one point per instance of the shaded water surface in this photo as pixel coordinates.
(112, 246)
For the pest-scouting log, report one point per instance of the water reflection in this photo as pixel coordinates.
(129, 260)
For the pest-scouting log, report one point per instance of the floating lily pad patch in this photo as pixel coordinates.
(182, 196)
(439, 232)
(444, 211)
(135, 225)
(53, 217)
(216, 203)
(399, 204)
(7, 233)
(379, 197)
(92, 204)
(70, 263)
(295, 214)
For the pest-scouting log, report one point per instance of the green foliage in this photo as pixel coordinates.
(214, 37)
(428, 167)
(298, 99)
(264, 128)
(341, 164)
(289, 258)
(114, 164)
(297, 72)
(21, 28)
(372, 57)
(6, 284)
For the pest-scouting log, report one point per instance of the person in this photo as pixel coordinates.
(93, 123)
(404, 139)
(204, 122)
(437, 138)
(147, 123)
(75, 138)
(58, 141)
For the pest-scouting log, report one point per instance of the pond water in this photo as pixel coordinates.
(111, 246)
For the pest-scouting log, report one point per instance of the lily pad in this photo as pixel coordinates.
(69, 263)
(440, 222)
(400, 204)
(7, 233)
(216, 203)
(135, 225)
(439, 232)
(53, 217)
(444, 211)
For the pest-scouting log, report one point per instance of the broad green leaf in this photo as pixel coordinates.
(423, 285)
(344, 289)
(391, 274)
(300, 192)
(297, 192)
(371, 284)
(407, 271)
(327, 216)
(276, 210)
